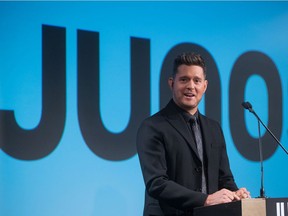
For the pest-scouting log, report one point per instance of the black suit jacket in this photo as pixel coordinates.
(170, 164)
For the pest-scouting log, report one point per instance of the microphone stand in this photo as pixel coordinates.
(262, 191)
(248, 106)
(252, 111)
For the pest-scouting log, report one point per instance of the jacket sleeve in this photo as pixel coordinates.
(226, 179)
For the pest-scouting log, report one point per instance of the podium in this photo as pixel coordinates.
(247, 207)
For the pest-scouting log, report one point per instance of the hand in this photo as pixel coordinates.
(242, 193)
(222, 196)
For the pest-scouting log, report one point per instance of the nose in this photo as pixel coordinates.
(190, 84)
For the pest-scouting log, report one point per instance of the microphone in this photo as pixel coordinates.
(248, 106)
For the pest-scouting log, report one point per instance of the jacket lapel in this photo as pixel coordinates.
(177, 121)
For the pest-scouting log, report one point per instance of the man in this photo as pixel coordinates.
(183, 167)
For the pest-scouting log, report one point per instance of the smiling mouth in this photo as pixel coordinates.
(189, 95)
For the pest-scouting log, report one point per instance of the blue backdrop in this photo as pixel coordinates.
(72, 179)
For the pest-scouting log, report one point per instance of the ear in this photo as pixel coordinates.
(171, 82)
(206, 85)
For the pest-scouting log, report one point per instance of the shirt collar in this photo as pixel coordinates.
(186, 115)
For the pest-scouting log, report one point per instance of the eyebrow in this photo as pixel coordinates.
(194, 77)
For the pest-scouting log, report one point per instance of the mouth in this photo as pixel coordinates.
(189, 95)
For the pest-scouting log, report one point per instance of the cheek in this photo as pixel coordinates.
(202, 89)
(177, 93)
(180, 91)
(177, 88)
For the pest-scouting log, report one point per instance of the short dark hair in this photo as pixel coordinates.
(189, 58)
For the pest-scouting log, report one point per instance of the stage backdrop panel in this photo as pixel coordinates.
(77, 78)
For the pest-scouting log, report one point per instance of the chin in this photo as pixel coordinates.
(190, 104)
(189, 107)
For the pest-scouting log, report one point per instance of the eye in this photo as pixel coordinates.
(183, 79)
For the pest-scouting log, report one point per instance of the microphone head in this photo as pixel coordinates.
(247, 105)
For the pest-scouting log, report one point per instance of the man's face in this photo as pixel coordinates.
(188, 87)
